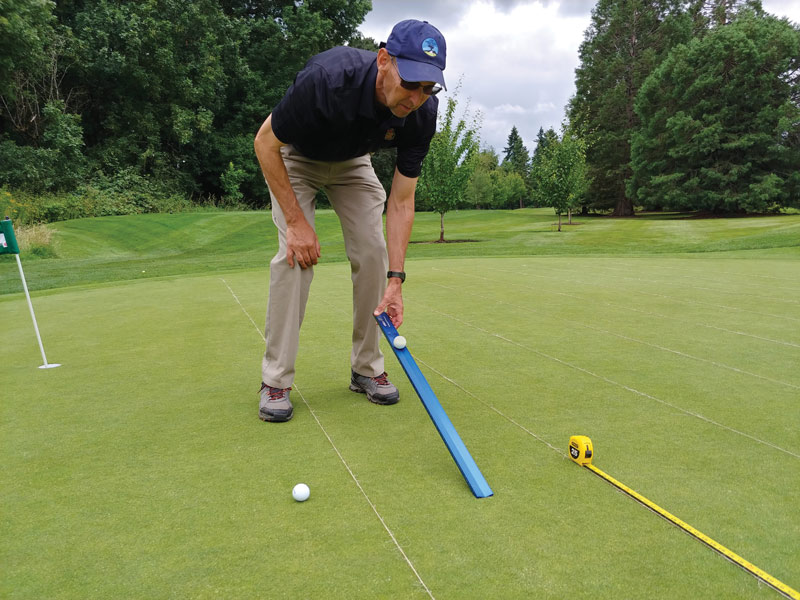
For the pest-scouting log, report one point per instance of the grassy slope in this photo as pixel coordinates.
(136, 247)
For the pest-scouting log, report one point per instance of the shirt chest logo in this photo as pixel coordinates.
(390, 134)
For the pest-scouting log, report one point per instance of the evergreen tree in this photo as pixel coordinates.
(516, 159)
(625, 42)
(713, 13)
(542, 139)
(721, 122)
(515, 154)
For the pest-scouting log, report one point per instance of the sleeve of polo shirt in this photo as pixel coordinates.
(302, 108)
(411, 153)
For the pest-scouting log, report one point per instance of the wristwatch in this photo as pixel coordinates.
(401, 275)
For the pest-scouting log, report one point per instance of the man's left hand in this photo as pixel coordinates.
(392, 303)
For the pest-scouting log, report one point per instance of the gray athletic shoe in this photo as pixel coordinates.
(378, 389)
(274, 404)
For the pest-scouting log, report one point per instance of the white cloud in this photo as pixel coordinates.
(783, 8)
(510, 109)
(544, 107)
(524, 57)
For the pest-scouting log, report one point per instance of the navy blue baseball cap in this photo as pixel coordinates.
(420, 50)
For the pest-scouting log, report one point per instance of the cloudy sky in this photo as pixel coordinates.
(516, 58)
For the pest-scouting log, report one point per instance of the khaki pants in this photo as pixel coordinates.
(358, 198)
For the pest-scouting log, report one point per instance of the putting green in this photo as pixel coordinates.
(140, 469)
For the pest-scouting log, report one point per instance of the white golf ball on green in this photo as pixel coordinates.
(300, 492)
(399, 342)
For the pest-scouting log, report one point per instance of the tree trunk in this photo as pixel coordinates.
(569, 216)
(559, 221)
(441, 228)
(624, 207)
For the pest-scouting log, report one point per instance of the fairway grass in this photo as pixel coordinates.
(128, 248)
(139, 469)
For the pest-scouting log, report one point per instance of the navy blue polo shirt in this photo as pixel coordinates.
(330, 113)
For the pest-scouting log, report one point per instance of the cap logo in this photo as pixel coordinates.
(430, 47)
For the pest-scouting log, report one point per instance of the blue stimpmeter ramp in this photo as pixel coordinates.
(444, 426)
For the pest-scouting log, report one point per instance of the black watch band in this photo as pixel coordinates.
(401, 275)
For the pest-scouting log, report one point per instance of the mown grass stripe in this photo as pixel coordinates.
(730, 555)
(617, 383)
(342, 459)
(572, 321)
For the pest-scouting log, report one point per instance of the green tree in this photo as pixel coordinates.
(177, 89)
(450, 162)
(721, 122)
(274, 40)
(169, 89)
(560, 175)
(626, 40)
(41, 138)
(543, 139)
(508, 189)
(516, 158)
(714, 13)
(25, 25)
(480, 192)
(230, 180)
(52, 159)
(515, 154)
(157, 79)
(488, 159)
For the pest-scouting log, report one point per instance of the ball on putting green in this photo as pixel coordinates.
(399, 342)
(300, 492)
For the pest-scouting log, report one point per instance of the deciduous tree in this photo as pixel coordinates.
(560, 175)
(447, 168)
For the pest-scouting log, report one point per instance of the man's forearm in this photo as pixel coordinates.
(399, 220)
(268, 151)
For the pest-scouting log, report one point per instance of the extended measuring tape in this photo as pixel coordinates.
(582, 452)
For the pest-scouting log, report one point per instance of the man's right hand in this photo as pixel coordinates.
(302, 245)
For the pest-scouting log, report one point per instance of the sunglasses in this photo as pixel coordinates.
(429, 90)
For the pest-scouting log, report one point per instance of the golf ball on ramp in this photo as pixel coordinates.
(300, 492)
(399, 342)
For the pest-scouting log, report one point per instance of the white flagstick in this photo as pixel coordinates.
(46, 365)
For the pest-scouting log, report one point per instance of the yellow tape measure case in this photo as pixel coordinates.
(580, 449)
